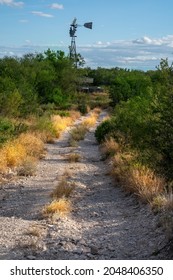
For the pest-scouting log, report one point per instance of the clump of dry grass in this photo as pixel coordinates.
(97, 110)
(110, 147)
(14, 153)
(147, 184)
(159, 202)
(60, 204)
(34, 231)
(163, 202)
(3, 162)
(21, 153)
(72, 142)
(60, 123)
(137, 179)
(63, 189)
(78, 133)
(73, 157)
(57, 207)
(74, 115)
(28, 167)
(91, 120)
(33, 145)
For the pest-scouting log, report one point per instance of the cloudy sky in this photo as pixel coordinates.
(132, 34)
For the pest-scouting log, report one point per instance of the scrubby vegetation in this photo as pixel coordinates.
(139, 135)
(38, 100)
(40, 97)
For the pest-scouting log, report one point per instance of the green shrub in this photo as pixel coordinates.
(7, 129)
(44, 124)
(104, 129)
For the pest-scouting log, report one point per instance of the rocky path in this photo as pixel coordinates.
(105, 222)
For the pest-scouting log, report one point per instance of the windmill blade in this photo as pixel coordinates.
(88, 25)
(74, 22)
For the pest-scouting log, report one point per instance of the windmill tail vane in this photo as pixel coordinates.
(88, 25)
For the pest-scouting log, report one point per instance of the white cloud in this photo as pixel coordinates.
(23, 21)
(144, 53)
(41, 14)
(28, 41)
(168, 40)
(130, 54)
(11, 3)
(57, 6)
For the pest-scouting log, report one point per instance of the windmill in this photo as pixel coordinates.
(72, 32)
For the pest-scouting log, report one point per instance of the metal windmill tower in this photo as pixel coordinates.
(72, 32)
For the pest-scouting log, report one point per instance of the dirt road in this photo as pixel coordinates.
(105, 223)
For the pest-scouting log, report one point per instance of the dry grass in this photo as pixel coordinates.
(33, 145)
(146, 184)
(28, 167)
(74, 115)
(163, 201)
(60, 124)
(110, 147)
(137, 179)
(3, 162)
(73, 157)
(90, 121)
(14, 153)
(34, 231)
(97, 110)
(159, 202)
(72, 142)
(45, 136)
(21, 153)
(63, 189)
(58, 207)
(78, 133)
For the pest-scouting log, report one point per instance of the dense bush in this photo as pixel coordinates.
(34, 80)
(144, 119)
(6, 129)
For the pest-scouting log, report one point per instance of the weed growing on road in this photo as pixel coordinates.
(28, 167)
(90, 121)
(78, 133)
(57, 207)
(74, 157)
(63, 189)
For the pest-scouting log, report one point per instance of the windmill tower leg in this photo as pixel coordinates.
(73, 54)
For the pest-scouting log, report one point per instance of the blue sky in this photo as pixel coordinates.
(133, 34)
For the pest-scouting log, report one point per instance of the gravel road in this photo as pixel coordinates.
(105, 223)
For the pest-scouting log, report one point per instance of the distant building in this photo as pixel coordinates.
(86, 85)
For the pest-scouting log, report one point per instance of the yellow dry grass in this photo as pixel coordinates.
(45, 136)
(97, 110)
(147, 184)
(138, 179)
(110, 147)
(74, 115)
(90, 121)
(3, 162)
(60, 123)
(14, 153)
(60, 207)
(33, 145)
